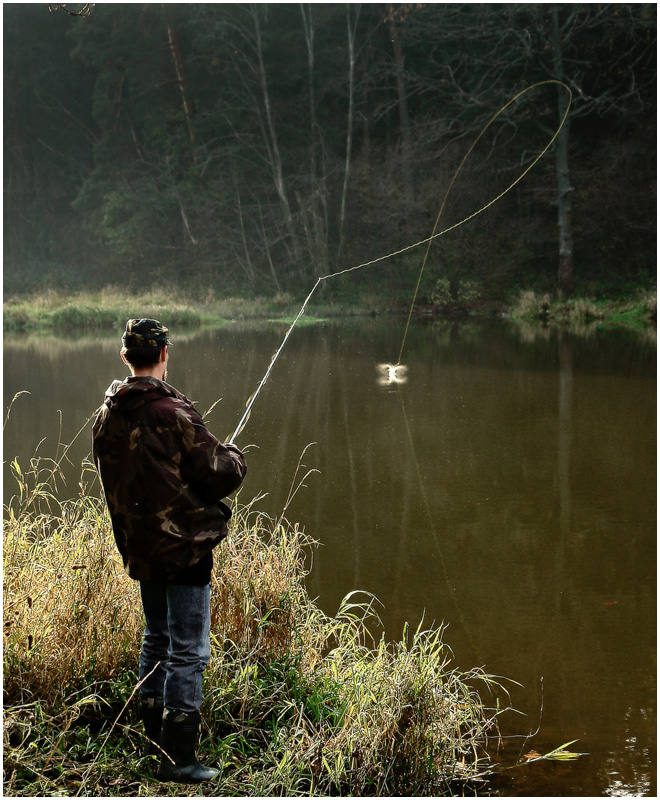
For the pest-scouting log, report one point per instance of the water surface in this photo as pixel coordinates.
(508, 489)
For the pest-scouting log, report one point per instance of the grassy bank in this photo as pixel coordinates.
(297, 702)
(110, 308)
(638, 310)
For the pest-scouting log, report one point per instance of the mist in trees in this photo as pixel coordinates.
(254, 147)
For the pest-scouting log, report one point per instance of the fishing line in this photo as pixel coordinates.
(453, 180)
(435, 235)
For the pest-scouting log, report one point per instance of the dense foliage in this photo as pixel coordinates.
(251, 148)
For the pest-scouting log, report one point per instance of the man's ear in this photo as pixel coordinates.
(123, 358)
(163, 353)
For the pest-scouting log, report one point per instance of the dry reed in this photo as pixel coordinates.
(297, 701)
(70, 617)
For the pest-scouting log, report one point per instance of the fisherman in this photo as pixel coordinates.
(164, 476)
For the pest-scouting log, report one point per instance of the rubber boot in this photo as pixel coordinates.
(151, 714)
(179, 741)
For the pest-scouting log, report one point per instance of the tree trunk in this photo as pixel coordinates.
(404, 118)
(244, 239)
(349, 123)
(564, 188)
(272, 145)
(181, 76)
(565, 277)
(317, 201)
(366, 135)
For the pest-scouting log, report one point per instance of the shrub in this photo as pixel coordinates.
(77, 316)
(468, 292)
(529, 305)
(649, 299)
(15, 319)
(441, 294)
(461, 296)
(583, 309)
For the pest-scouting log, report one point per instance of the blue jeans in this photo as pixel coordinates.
(176, 634)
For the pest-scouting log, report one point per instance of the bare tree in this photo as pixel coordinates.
(404, 117)
(315, 214)
(351, 27)
(482, 54)
(181, 73)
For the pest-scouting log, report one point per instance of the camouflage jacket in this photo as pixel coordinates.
(163, 474)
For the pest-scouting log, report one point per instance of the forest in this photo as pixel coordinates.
(249, 148)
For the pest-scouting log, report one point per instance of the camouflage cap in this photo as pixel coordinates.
(142, 332)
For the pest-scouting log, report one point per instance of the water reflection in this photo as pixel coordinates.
(506, 488)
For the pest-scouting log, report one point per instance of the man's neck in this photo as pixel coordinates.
(158, 371)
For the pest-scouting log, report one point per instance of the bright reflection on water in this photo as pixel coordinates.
(506, 487)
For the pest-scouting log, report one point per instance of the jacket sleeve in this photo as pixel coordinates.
(213, 469)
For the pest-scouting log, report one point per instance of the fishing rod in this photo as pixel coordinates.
(394, 368)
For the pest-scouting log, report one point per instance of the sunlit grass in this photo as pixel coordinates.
(582, 313)
(107, 308)
(110, 307)
(297, 701)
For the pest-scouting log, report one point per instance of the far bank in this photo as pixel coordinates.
(110, 307)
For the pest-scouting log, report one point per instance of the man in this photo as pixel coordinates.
(163, 475)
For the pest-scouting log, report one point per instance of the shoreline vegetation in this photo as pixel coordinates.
(297, 702)
(108, 309)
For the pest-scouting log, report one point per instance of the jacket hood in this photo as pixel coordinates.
(134, 392)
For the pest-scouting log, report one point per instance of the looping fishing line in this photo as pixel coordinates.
(392, 368)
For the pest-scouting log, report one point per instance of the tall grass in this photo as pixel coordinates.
(297, 701)
(110, 308)
(583, 314)
(107, 308)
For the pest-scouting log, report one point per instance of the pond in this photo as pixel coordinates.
(507, 489)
